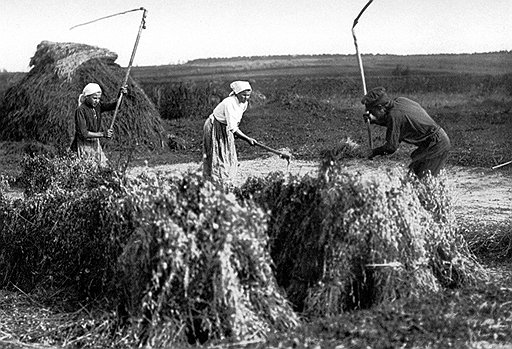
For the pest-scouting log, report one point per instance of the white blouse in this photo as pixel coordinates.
(230, 112)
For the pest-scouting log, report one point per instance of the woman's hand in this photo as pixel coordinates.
(240, 134)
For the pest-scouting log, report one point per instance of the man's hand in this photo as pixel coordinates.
(109, 133)
(124, 89)
(251, 141)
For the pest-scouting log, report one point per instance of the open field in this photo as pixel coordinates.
(307, 105)
(326, 65)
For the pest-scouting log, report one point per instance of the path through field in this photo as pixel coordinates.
(479, 194)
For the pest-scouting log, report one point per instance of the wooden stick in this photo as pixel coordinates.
(281, 154)
(501, 165)
(142, 26)
(99, 19)
(361, 70)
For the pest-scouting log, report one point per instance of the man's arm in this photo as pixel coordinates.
(392, 140)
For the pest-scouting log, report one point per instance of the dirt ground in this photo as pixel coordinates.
(480, 194)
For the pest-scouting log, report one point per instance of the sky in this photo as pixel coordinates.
(181, 30)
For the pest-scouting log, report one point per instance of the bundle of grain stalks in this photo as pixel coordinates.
(198, 265)
(347, 240)
(176, 258)
(40, 107)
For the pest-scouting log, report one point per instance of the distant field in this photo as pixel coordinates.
(495, 63)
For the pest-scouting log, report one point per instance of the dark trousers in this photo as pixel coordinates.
(431, 157)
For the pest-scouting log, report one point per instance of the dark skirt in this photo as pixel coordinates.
(430, 157)
(220, 161)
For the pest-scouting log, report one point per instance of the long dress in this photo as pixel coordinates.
(89, 119)
(220, 159)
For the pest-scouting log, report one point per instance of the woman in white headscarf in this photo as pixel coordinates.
(88, 124)
(220, 161)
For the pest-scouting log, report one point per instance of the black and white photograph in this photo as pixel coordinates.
(282, 174)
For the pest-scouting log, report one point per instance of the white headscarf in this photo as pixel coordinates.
(89, 89)
(239, 86)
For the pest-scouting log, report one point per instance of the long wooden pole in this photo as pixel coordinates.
(503, 164)
(105, 17)
(125, 81)
(361, 69)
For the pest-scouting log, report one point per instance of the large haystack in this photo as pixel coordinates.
(40, 107)
(344, 240)
(179, 259)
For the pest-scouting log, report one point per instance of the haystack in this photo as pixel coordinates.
(179, 259)
(345, 240)
(40, 107)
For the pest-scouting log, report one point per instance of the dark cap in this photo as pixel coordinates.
(376, 96)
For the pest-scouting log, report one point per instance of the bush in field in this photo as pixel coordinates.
(189, 100)
(64, 233)
(41, 173)
(343, 241)
(185, 100)
(179, 259)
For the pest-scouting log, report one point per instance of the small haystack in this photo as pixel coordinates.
(40, 107)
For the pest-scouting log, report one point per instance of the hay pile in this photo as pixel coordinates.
(347, 241)
(40, 107)
(176, 258)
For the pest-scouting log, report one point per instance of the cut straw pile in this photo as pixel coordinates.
(40, 107)
(178, 259)
(348, 241)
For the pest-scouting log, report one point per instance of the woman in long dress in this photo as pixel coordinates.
(220, 161)
(88, 124)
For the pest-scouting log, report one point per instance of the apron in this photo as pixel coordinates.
(220, 161)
